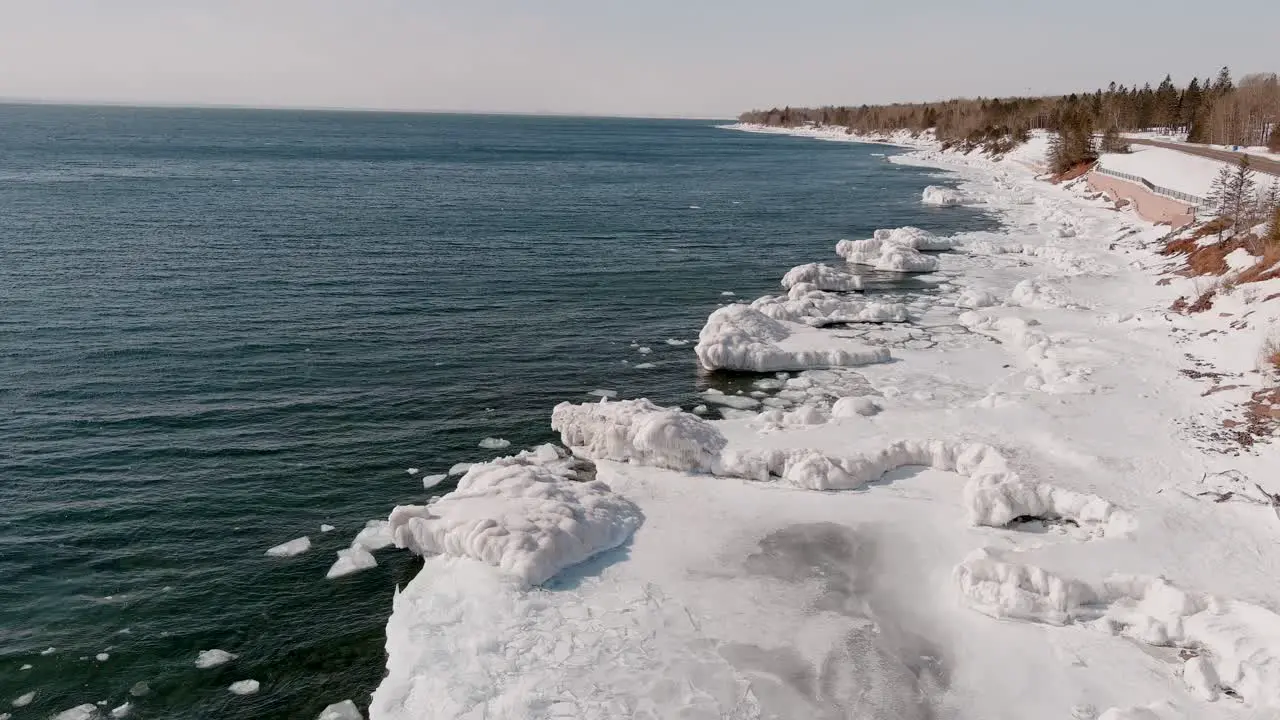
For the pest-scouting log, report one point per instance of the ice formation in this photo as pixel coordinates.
(886, 255)
(121, 711)
(327, 528)
(24, 699)
(914, 238)
(430, 481)
(1050, 373)
(351, 560)
(822, 277)
(739, 402)
(297, 546)
(243, 687)
(206, 659)
(805, 304)
(375, 535)
(102, 657)
(737, 337)
(86, 711)
(345, 710)
(460, 468)
(941, 196)
(491, 443)
(856, 406)
(640, 432)
(529, 514)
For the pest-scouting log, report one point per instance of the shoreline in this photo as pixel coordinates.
(1052, 382)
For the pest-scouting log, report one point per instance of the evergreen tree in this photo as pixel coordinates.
(1242, 194)
(1112, 142)
(1223, 84)
(1190, 103)
(1217, 201)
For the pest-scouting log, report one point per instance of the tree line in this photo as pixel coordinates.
(1215, 110)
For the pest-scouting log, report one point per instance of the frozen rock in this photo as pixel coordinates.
(244, 687)
(297, 546)
(822, 277)
(351, 560)
(490, 443)
(24, 699)
(528, 515)
(640, 432)
(860, 406)
(345, 710)
(375, 535)
(887, 256)
(941, 196)
(430, 481)
(204, 660)
(86, 711)
(738, 337)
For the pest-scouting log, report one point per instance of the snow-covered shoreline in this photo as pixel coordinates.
(1025, 458)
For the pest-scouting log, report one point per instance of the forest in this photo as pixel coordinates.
(1217, 110)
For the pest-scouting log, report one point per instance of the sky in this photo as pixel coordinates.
(694, 58)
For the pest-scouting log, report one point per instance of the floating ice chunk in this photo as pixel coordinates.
(860, 406)
(122, 710)
(822, 277)
(887, 256)
(24, 699)
(645, 366)
(140, 689)
(102, 657)
(676, 343)
(430, 481)
(204, 660)
(25, 667)
(345, 710)
(728, 293)
(700, 409)
(914, 238)
(49, 651)
(604, 393)
(460, 468)
(375, 535)
(738, 337)
(412, 471)
(941, 196)
(491, 443)
(740, 402)
(351, 560)
(324, 528)
(5, 716)
(644, 350)
(243, 687)
(86, 711)
(528, 515)
(640, 432)
(297, 546)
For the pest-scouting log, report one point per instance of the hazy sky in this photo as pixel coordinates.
(646, 57)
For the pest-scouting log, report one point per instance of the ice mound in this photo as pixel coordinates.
(639, 431)
(822, 277)
(490, 443)
(345, 710)
(805, 304)
(244, 687)
(738, 337)
(859, 406)
(915, 238)
(1236, 644)
(351, 560)
(940, 196)
(375, 535)
(206, 659)
(527, 514)
(1039, 294)
(885, 255)
(972, 298)
(297, 546)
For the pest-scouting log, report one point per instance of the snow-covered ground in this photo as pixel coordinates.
(1005, 521)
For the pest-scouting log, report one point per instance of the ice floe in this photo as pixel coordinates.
(122, 711)
(430, 481)
(345, 710)
(530, 515)
(375, 535)
(206, 659)
(243, 687)
(460, 468)
(24, 699)
(491, 443)
(351, 560)
(297, 546)
(915, 238)
(86, 711)
(325, 528)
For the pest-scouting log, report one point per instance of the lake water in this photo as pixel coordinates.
(222, 328)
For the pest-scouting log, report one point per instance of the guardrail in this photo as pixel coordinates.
(1194, 201)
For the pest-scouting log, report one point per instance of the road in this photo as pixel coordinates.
(1270, 167)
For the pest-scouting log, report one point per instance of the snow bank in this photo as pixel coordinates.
(822, 277)
(297, 546)
(941, 196)
(527, 514)
(884, 255)
(804, 303)
(206, 659)
(640, 432)
(738, 337)
(1236, 644)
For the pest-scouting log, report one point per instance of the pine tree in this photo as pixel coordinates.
(1242, 193)
(1217, 201)
(1223, 84)
(1112, 142)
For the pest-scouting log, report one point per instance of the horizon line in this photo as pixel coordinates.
(323, 108)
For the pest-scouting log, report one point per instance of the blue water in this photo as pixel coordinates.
(222, 328)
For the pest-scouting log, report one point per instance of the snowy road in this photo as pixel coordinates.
(1260, 164)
